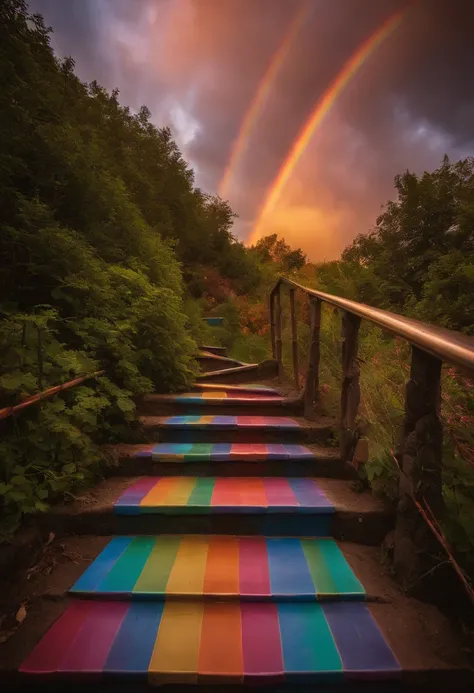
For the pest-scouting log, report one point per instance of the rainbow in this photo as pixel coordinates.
(263, 91)
(321, 109)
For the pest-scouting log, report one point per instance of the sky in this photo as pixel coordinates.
(199, 64)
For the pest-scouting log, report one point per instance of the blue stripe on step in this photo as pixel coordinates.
(102, 565)
(289, 572)
(127, 570)
(309, 495)
(132, 648)
(220, 452)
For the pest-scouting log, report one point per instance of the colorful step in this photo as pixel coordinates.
(251, 387)
(206, 495)
(244, 567)
(224, 452)
(220, 397)
(204, 642)
(227, 423)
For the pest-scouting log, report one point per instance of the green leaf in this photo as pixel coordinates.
(19, 480)
(17, 496)
(42, 507)
(69, 468)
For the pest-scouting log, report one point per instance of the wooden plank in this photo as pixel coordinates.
(312, 376)
(294, 340)
(350, 389)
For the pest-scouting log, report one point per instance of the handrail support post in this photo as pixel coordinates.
(350, 390)
(312, 376)
(420, 460)
(294, 339)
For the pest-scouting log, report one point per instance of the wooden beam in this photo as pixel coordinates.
(420, 460)
(279, 345)
(294, 339)
(272, 324)
(312, 376)
(350, 389)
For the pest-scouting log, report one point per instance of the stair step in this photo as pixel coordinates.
(209, 361)
(260, 371)
(179, 494)
(225, 452)
(230, 389)
(220, 566)
(345, 516)
(210, 428)
(214, 642)
(223, 423)
(217, 398)
(194, 403)
(244, 459)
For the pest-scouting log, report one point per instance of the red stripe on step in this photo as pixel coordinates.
(279, 492)
(225, 492)
(50, 651)
(254, 576)
(92, 645)
(262, 655)
(239, 450)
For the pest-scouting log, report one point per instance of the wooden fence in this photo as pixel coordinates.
(419, 453)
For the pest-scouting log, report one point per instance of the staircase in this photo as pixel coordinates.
(234, 537)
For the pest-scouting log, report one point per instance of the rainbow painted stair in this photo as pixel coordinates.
(270, 608)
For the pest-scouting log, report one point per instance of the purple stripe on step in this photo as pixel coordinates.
(364, 651)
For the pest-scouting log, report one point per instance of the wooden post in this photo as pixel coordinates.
(350, 392)
(279, 348)
(272, 323)
(420, 459)
(294, 338)
(312, 376)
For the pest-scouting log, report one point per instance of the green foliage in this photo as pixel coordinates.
(272, 249)
(421, 251)
(100, 220)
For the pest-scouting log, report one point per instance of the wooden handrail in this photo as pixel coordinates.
(46, 394)
(419, 455)
(449, 346)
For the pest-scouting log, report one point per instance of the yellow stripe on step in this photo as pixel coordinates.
(215, 395)
(179, 494)
(176, 653)
(187, 574)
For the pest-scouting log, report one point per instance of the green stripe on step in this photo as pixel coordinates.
(157, 569)
(330, 571)
(202, 451)
(342, 574)
(127, 569)
(202, 492)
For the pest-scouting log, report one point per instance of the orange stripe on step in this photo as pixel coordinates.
(222, 567)
(215, 395)
(220, 654)
(252, 492)
(160, 491)
(206, 419)
(176, 653)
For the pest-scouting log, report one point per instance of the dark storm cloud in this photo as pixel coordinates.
(410, 103)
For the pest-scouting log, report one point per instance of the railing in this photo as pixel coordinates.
(419, 454)
(46, 394)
